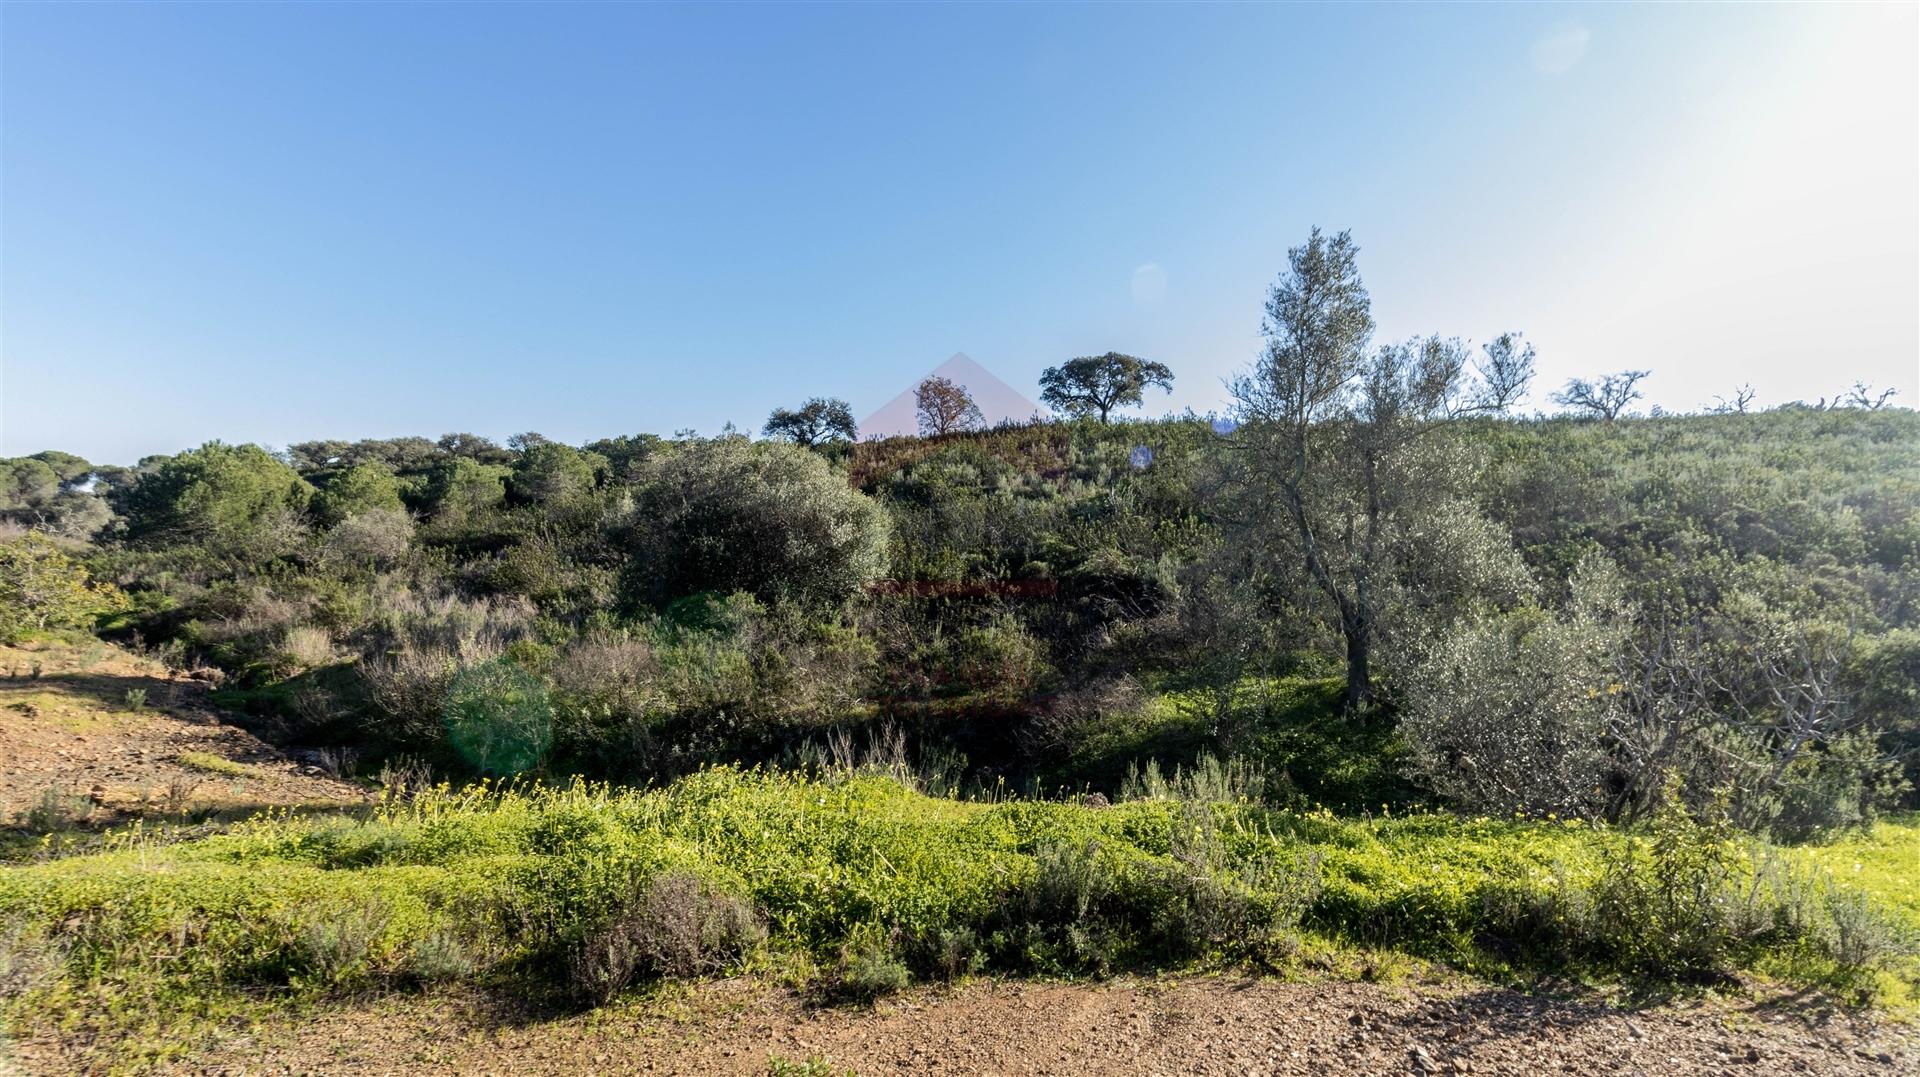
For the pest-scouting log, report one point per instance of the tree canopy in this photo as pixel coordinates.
(817, 421)
(1097, 384)
(218, 495)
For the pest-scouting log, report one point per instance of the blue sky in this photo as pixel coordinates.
(281, 222)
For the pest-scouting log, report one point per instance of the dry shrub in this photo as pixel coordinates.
(308, 647)
(378, 537)
(608, 674)
(420, 641)
(675, 925)
(1070, 714)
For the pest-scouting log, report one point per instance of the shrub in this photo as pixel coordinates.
(56, 810)
(440, 957)
(308, 647)
(416, 644)
(869, 971)
(770, 519)
(498, 718)
(335, 946)
(953, 952)
(378, 537)
(41, 588)
(674, 925)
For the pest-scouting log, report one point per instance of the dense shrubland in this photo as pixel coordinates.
(1600, 658)
(1563, 614)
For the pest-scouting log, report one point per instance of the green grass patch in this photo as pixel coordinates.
(1883, 862)
(1291, 726)
(516, 888)
(213, 764)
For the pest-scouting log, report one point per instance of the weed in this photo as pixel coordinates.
(136, 699)
(674, 926)
(55, 811)
(404, 778)
(779, 1065)
(213, 764)
(180, 790)
(440, 957)
(338, 763)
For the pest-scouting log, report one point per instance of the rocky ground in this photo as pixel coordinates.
(101, 735)
(1185, 1026)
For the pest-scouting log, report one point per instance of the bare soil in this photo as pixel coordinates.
(68, 724)
(1229, 1025)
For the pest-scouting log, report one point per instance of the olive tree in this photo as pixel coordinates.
(1340, 439)
(1509, 713)
(1097, 384)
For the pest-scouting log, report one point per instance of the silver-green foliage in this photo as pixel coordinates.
(1508, 712)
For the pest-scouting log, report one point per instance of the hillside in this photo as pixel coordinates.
(96, 737)
(575, 738)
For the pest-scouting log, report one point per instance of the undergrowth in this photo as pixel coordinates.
(571, 895)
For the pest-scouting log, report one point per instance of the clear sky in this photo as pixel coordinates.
(281, 222)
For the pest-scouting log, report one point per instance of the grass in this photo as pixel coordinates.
(1292, 725)
(499, 887)
(213, 764)
(1884, 863)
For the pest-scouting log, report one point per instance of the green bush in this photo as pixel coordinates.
(770, 519)
(42, 589)
(498, 717)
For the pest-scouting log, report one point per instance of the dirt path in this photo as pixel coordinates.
(69, 724)
(1194, 1026)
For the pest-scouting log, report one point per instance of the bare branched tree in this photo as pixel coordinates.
(1734, 706)
(1507, 370)
(1861, 395)
(945, 407)
(1737, 404)
(1605, 399)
